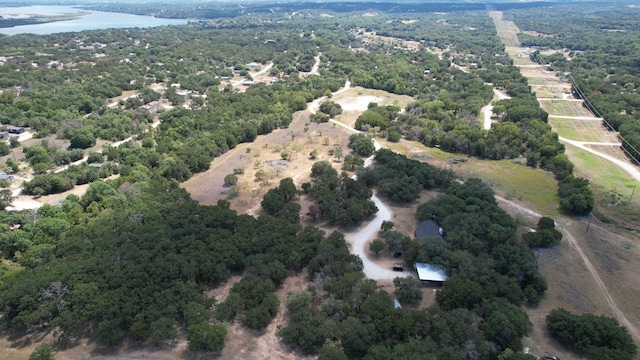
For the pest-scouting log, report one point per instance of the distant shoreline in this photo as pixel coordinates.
(35, 19)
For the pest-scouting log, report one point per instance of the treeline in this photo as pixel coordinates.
(222, 10)
(595, 337)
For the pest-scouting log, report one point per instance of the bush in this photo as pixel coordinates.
(546, 235)
(230, 180)
(206, 337)
(82, 139)
(542, 238)
(42, 352)
(591, 335)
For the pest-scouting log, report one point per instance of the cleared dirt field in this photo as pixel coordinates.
(208, 187)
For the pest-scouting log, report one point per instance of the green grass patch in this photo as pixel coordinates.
(518, 57)
(533, 186)
(565, 108)
(537, 81)
(546, 92)
(612, 187)
(565, 129)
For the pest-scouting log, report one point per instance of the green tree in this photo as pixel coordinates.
(4, 149)
(331, 108)
(42, 352)
(376, 246)
(361, 144)
(352, 163)
(408, 290)
(331, 351)
(386, 225)
(5, 198)
(206, 337)
(82, 138)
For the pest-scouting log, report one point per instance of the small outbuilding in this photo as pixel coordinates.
(15, 130)
(430, 274)
(428, 228)
(6, 177)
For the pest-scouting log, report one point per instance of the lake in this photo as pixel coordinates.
(94, 20)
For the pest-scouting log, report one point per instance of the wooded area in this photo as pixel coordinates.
(133, 257)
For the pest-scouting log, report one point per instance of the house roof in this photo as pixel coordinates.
(428, 272)
(428, 228)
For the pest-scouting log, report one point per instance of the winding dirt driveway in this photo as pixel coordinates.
(359, 238)
(316, 65)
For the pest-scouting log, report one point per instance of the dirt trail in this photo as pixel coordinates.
(316, 65)
(487, 110)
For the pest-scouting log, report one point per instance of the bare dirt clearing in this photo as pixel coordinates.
(243, 343)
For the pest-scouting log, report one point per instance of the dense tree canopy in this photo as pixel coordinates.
(596, 337)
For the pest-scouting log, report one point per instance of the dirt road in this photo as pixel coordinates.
(487, 110)
(625, 165)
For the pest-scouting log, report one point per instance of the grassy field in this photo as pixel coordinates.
(535, 81)
(565, 108)
(611, 186)
(548, 92)
(534, 187)
(582, 130)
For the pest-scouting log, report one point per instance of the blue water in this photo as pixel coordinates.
(93, 21)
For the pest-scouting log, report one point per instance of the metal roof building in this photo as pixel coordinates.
(427, 272)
